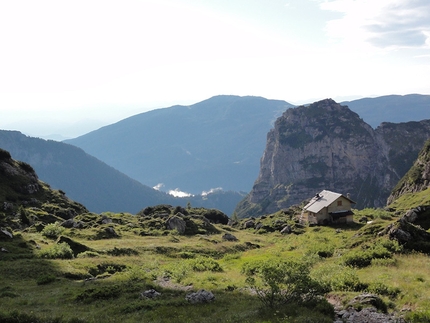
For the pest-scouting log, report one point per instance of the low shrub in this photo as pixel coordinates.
(205, 264)
(52, 230)
(418, 317)
(57, 251)
(88, 254)
(278, 282)
(122, 252)
(339, 278)
(110, 268)
(382, 289)
(45, 279)
(101, 293)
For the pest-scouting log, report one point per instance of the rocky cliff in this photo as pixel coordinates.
(25, 200)
(327, 146)
(417, 179)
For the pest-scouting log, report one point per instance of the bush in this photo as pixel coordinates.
(88, 254)
(359, 259)
(205, 264)
(52, 230)
(382, 289)
(45, 279)
(58, 251)
(418, 317)
(363, 258)
(340, 278)
(101, 293)
(122, 252)
(109, 268)
(277, 282)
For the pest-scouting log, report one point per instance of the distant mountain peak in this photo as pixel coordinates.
(325, 145)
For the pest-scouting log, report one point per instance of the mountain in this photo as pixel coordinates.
(85, 179)
(20, 187)
(392, 108)
(327, 146)
(417, 179)
(93, 183)
(211, 144)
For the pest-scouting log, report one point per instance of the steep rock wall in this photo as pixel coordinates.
(327, 146)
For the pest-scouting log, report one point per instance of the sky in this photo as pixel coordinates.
(69, 67)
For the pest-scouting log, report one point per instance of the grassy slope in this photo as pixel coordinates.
(57, 288)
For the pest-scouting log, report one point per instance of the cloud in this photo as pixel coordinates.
(178, 193)
(211, 191)
(383, 24)
(158, 186)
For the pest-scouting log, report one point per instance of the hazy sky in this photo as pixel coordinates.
(69, 66)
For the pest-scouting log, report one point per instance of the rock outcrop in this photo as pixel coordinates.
(25, 200)
(327, 146)
(417, 178)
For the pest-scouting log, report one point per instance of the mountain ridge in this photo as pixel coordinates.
(327, 146)
(189, 147)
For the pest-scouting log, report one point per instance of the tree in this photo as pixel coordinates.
(278, 282)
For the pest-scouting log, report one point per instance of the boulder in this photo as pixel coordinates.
(150, 294)
(411, 216)
(76, 247)
(286, 230)
(366, 315)
(5, 234)
(105, 220)
(399, 235)
(176, 223)
(229, 237)
(249, 224)
(368, 300)
(202, 296)
(258, 226)
(216, 216)
(70, 223)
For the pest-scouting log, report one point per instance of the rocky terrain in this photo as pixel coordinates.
(327, 146)
(417, 178)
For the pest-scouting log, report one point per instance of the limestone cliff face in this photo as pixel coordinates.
(417, 178)
(327, 146)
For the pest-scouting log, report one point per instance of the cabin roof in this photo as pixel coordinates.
(322, 200)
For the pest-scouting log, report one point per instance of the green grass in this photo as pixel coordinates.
(103, 284)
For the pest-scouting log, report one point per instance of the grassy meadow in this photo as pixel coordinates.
(42, 280)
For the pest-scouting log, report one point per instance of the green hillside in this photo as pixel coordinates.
(60, 263)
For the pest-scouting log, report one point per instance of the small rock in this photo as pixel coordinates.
(176, 223)
(229, 237)
(249, 224)
(286, 230)
(70, 223)
(151, 293)
(202, 296)
(6, 233)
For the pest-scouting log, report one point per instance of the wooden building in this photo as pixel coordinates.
(328, 207)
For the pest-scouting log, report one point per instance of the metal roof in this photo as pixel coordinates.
(322, 200)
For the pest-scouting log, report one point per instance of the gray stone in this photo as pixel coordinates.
(229, 237)
(176, 223)
(151, 293)
(411, 216)
(202, 296)
(106, 220)
(286, 230)
(5, 233)
(249, 224)
(70, 223)
(399, 235)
